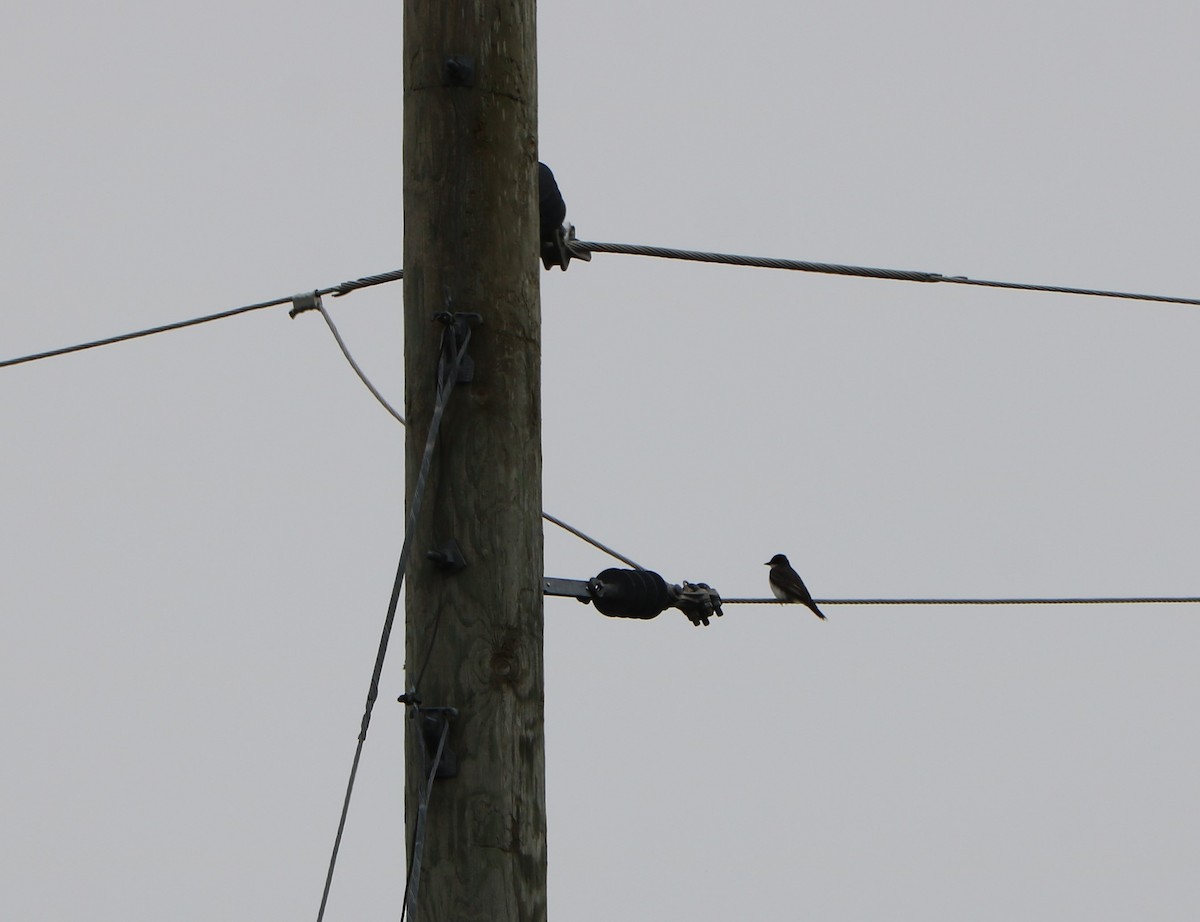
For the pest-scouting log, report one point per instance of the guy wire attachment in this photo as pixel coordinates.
(454, 346)
(439, 762)
(433, 723)
(561, 247)
(305, 301)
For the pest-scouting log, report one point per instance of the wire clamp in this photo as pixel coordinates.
(699, 601)
(305, 301)
(448, 557)
(578, 589)
(440, 762)
(434, 726)
(563, 248)
(454, 344)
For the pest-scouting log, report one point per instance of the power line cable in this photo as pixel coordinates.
(337, 291)
(125, 337)
(584, 248)
(581, 247)
(1137, 600)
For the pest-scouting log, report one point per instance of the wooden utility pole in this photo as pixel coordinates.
(473, 638)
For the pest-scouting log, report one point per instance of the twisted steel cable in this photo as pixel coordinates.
(582, 247)
(579, 247)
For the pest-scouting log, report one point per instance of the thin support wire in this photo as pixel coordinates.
(1066, 290)
(592, 541)
(353, 364)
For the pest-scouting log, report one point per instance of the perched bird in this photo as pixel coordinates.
(552, 210)
(787, 585)
(555, 236)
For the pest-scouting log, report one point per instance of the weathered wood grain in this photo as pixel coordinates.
(470, 244)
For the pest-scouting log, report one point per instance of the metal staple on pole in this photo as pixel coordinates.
(413, 881)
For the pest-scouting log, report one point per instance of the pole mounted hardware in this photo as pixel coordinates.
(448, 556)
(458, 70)
(305, 301)
(557, 249)
(454, 345)
(439, 762)
(640, 594)
(434, 724)
(554, 233)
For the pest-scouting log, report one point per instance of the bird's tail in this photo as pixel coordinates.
(816, 611)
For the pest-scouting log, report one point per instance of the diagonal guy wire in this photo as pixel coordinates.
(445, 387)
(413, 880)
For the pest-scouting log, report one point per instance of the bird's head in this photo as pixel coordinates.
(777, 561)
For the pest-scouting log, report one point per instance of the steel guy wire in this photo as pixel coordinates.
(412, 880)
(903, 275)
(366, 282)
(592, 541)
(445, 386)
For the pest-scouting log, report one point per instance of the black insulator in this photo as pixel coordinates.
(630, 593)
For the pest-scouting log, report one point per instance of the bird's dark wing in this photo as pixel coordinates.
(790, 582)
(551, 207)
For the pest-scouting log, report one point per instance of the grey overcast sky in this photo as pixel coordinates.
(200, 529)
